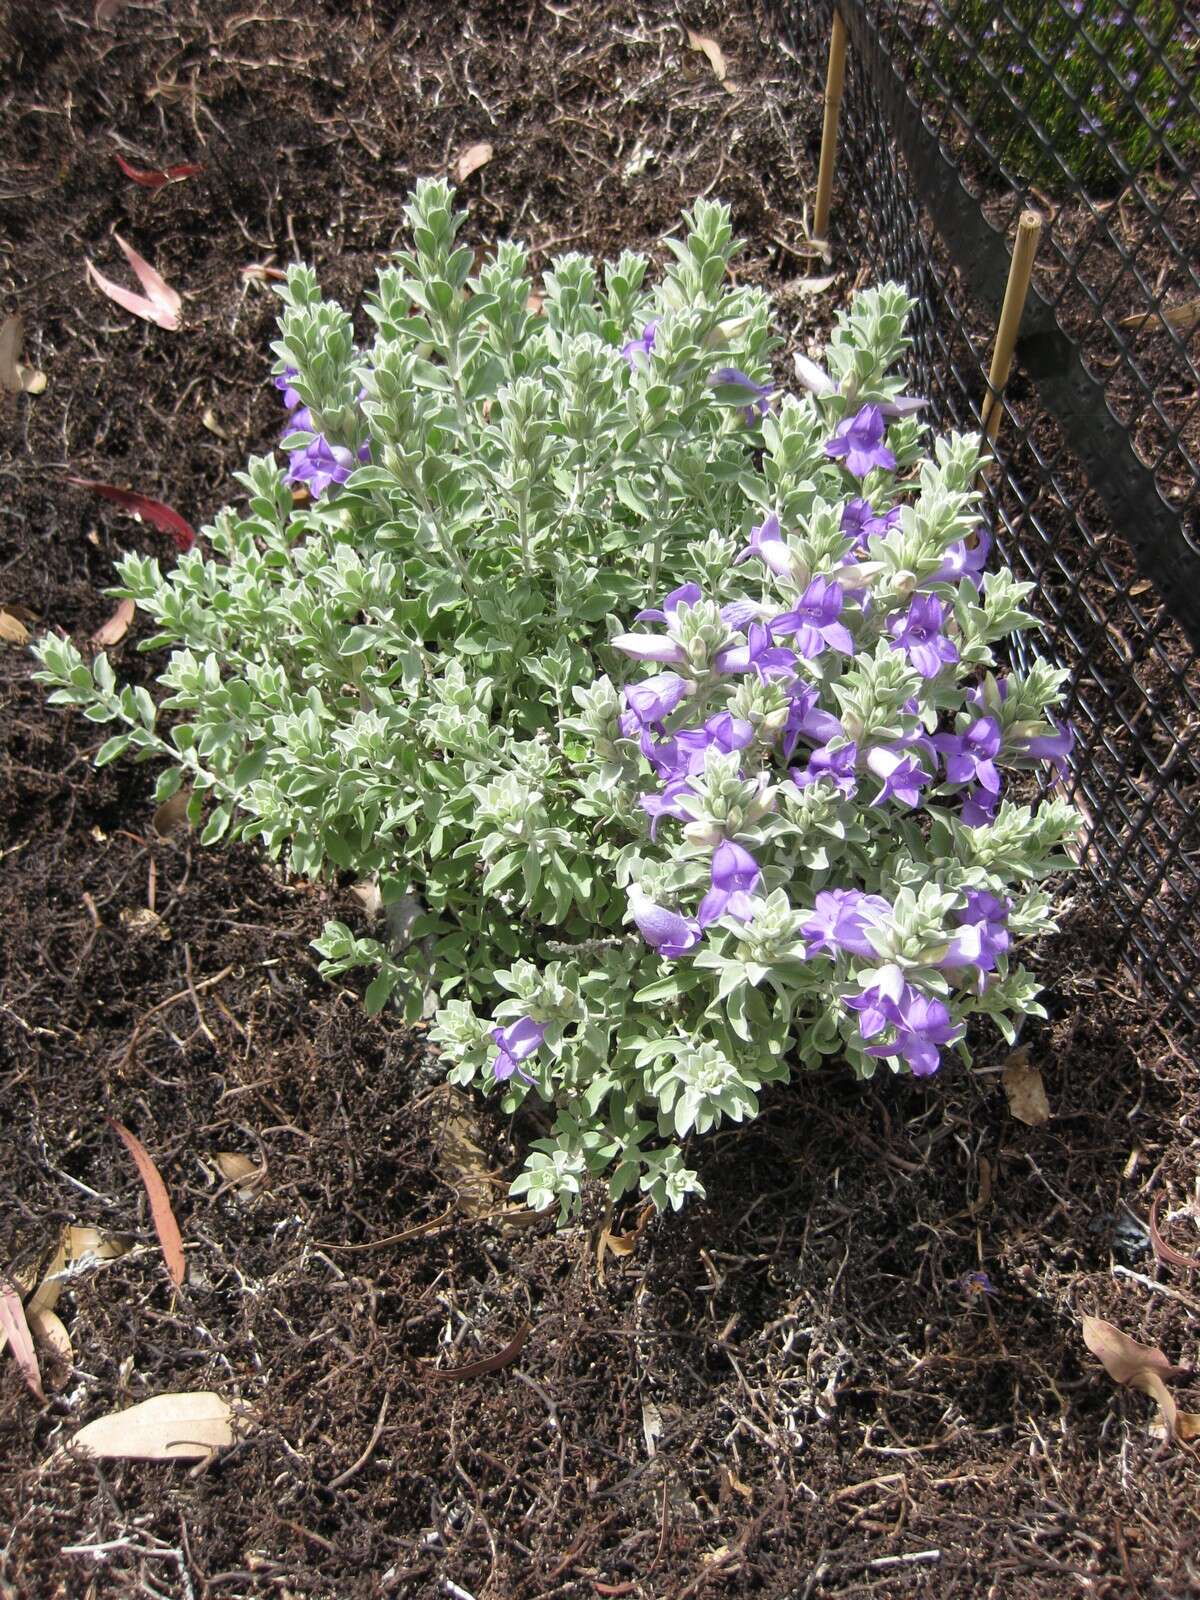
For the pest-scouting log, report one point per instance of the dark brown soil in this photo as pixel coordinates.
(794, 1389)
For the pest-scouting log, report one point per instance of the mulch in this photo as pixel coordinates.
(796, 1388)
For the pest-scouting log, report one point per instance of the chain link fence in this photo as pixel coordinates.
(957, 115)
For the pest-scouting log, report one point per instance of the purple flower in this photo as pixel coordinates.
(760, 655)
(972, 1283)
(814, 620)
(640, 349)
(650, 702)
(283, 382)
(983, 934)
(754, 398)
(686, 595)
(978, 808)
(671, 934)
(840, 921)
(962, 560)
(860, 440)
(321, 464)
(683, 754)
(806, 720)
(735, 876)
(650, 647)
(878, 1004)
(922, 1025)
(919, 635)
(861, 522)
(667, 804)
(516, 1043)
(1055, 747)
(818, 382)
(766, 542)
(970, 757)
(902, 775)
(835, 765)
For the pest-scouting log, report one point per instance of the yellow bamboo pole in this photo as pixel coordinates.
(834, 80)
(1029, 233)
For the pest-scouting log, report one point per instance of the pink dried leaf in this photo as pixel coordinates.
(158, 291)
(19, 1338)
(135, 303)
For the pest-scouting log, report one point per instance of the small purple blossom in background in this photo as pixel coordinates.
(840, 921)
(671, 934)
(919, 634)
(283, 382)
(686, 595)
(962, 560)
(321, 464)
(814, 620)
(835, 766)
(975, 1283)
(971, 757)
(516, 1043)
(1055, 747)
(806, 720)
(667, 804)
(760, 655)
(878, 1004)
(757, 396)
(922, 1026)
(650, 702)
(902, 775)
(978, 808)
(861, 523)
(651, 647)
(860, 440)
(641, 348)
(987, 917)
(766, 542)
(735, 876)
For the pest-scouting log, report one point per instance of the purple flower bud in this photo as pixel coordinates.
(814, 620)
(902, 776)
(840, 921)
(640, 349)
(516, 1043)
(735, 876)
(671, 934)
(766, 542)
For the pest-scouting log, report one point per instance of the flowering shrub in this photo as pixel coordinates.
(665, 710)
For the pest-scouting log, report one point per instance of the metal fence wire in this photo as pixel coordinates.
(956, 115)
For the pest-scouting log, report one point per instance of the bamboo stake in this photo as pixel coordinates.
(1029, 233)
(834, 80)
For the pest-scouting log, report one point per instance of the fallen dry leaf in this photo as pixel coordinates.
(209, 419)
(47, 1328)
(172, 813)
(142, 921)
(17, 1335)
(1025, 1090)
(474, 157)
(715, 56)
(257, 272)
(652, 1427)
(369, 896)
(1163, 1250)
(106, 10)
(459, 1151)
(812, 285)
(159, 515)
(240, 1172)
(1141, 1366)
(169, 1427)
(160, 304)
(163, 1217)
(478, 1369)
(15, 376)
(12, 629)
(1183, 318)
(158, 177)
(117, 626)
